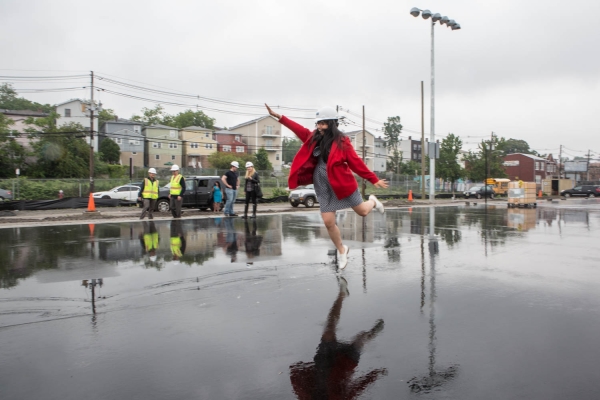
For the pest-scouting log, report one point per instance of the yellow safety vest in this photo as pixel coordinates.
(175, 185)
(150, 189)
(176, 246)
(151, 241)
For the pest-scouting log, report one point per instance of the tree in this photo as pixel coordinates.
(510, 146)
(262, 162)
(151, 116)
(10, 101)
(106, 115)
(110, 152)
(12, 153)
(290, 148)
(394, 163)
(410, 167)
(391, 132)
(189, 118)
(222, 160)
(447, 164)
(485, 162)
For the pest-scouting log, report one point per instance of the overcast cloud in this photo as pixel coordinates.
(522, 69)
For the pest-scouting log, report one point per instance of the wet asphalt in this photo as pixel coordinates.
(455, 302)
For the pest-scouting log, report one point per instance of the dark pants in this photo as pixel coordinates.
(176, 206)
(251, 196)
(148, 207)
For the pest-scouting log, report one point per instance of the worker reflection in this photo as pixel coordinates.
(231, 239)
(177, 239)
(329, 376)
(150, 239)
(252, 241)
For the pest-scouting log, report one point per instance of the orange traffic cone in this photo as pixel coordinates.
(410, 195)
(91, 204)
(92, 226)
(540, 194)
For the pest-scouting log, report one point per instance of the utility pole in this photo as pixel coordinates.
(588, 166)
(560, 162)
(91, 108)
(364, 150)
(489, 166)
(422, 144)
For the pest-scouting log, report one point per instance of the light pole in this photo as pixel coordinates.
(415, 12)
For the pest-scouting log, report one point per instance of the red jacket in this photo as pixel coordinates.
(340, 165)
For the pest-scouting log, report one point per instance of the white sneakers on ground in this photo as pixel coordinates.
(343, 258)
(378, 205)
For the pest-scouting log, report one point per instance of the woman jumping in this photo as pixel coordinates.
(327, 159)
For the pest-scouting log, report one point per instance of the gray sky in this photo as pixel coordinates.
(522, 69)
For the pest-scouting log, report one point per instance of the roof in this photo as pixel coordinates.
(527, 155)
(252, 122)
(159, 126)
(72, 100)
(226, 132)
(124, 121)
(24, 113)
(197, 128)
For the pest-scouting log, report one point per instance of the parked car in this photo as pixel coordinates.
(125, 192)
(198, 193)
(480, 191)
(5, 195)
(303, 195)
(583, 191)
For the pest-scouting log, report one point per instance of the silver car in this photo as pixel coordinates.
(303, 195)
(5, 195)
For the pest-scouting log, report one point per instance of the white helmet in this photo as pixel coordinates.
(249, 164)
(235, 164)
(326, 113)
(175, 167)
(151, 171)
(153, 258)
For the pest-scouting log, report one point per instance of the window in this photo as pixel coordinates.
(156, 145)
(239, 149)
(173, 134)
(269, 143)
(157, 157)
(137, 128)
(134, 153)
(134, 142)
(173, 158)
(269, 130)
(207, 134)
(67, 112)
(226, 148)
(189, 185)
(194, 145)
(238, 138)
(277, 157)
(172, 145)
(208, 146)
(118, 140)
(203, 183)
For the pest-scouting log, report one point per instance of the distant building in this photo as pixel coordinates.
(128, 135)
(198, 144)
(19, 126)
(230, 142)
(263, 132)
(411, 149)
(162, 146)
(380, 156)
(529, 168)
(76, 110)
(369, 144)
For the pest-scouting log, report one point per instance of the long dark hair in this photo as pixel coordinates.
(325, 140)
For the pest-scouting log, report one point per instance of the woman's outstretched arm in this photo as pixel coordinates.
(303, 133)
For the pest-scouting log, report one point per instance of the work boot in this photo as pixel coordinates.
(245, 211)
(253, 211)
(143, 215)
(150, 216)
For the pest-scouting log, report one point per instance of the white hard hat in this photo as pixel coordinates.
(175, 167)
(153, 258)
(235, 164)
(249, 164)
(151, 171)
(326, 113)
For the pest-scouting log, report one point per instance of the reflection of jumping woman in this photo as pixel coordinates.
(327, 159)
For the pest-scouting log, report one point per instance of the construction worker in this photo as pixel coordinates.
(177, 240)
(149, 194)
(177, 191)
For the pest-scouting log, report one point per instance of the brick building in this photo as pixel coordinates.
(529, 168)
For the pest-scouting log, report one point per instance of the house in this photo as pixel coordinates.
(198, 144)
(411, 149)
(76, 110)
(128, 135)
(265, 132)
(162, 146)
(369, 145)
(529, 168)
(230, 142)
(380, 156)
(19, 126)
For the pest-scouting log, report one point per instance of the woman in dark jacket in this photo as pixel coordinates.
(250, 188)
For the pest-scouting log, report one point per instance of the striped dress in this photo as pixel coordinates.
(328, 201)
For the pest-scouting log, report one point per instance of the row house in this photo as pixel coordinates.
(411, 149)
(19, 125)
(163, 146)
(230, 142)
(380, 156)
(357, 138)
(529, 168)
(77, 110)
(265, 132)
(198, 144)
(128, 135)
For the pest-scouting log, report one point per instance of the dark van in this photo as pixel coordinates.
(197, 193)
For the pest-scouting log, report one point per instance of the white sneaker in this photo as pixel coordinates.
(343, 258)
(378, 205)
